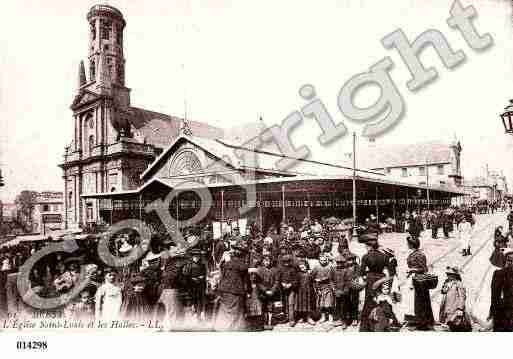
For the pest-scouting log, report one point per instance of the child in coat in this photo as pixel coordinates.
(342, 286)
(352, 298)
(323, 279)
(453, 306)
(382, 317)
(305, 294)
(83, 309)
(268, 289)
(254, 303)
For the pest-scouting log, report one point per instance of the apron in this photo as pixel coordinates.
(407, 305)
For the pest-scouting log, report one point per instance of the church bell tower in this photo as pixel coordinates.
(106, 60)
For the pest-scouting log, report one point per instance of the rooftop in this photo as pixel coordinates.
(378, 156)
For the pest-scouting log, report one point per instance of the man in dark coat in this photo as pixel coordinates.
(446, 223)
(501, 307)
(373, 225)
(415, 226)
(434, 220)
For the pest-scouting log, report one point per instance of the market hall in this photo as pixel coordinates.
(257, 190)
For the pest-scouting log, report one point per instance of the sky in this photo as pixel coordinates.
(234, 61)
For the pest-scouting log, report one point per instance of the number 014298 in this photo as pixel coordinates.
(31, 345)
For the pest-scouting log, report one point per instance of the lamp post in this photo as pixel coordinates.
(507, 118)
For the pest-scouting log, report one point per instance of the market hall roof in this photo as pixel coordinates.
(342, 183)
(230, 154)
(238, 157)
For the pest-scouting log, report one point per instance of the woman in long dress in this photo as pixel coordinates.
(417, 264)
(500, 242)
(135, 305)
(108, 298)
(374, 266)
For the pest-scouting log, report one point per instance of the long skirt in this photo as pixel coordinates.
(304, 300)
(497, 258)
(173, 308)
(325, 297)
(369, 303)
(231, 312)
(136, 306)
(254, 305)
(423, 311)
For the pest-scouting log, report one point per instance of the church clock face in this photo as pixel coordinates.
(185, 163)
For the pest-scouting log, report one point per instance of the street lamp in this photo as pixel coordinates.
(507, 118)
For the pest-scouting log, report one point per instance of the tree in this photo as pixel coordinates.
(25, 204)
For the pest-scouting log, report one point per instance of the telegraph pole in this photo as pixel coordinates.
(427, 184)
(354, 185)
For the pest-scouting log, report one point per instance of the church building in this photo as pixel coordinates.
(112, 142)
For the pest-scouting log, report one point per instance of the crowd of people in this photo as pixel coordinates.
(255, 280)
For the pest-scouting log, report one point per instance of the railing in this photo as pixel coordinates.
(131, 147)
(72, 156)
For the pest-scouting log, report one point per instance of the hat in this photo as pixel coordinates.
(76, 260)
(453, 270)
(379, 283)
(368, 237)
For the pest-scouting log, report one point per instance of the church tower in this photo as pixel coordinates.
(106, 59)
(103, 155)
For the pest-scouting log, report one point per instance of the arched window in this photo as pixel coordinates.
(70, 199)
(91, 144)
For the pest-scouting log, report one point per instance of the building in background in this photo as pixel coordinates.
(483, 188)
(48, 212)
(500, 184)
(9, 211)
(425, 163)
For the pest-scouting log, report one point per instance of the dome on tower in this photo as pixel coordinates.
(105, 10)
